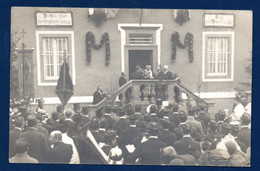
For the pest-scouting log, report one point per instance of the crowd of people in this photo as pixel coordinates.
(129, 134)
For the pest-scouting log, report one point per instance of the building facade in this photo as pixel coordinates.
(213, 51)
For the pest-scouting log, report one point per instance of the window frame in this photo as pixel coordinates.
(42, 79)
(218, 77)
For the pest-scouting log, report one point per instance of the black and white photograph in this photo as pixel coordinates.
(119, 86)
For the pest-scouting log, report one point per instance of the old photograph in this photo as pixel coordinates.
(112, 86)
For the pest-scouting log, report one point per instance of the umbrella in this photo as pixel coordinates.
(64, 89)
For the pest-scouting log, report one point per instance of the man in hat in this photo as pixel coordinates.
(148, 152)
(60, 152)
(15, 134)
(244, 134)
(37, 141)
(21, 156)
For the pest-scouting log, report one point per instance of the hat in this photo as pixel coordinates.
(225, 126)
(16, 112)
(32, 121)
(246, 118)
(169, 151)
(115, 156)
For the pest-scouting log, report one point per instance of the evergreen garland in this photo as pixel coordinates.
(90, 41)
(175, 41)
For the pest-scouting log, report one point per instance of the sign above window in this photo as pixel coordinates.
(219, 20)
(54, 18)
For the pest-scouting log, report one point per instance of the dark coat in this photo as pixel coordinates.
(187, 145)
(127, 136)
(167, 137)
(148, 152)
(168, 76)
(13, 137)
(38, 146)
(137, 75)
(60, 153)
(122, 81)
(97, 97)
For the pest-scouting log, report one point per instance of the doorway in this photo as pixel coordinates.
(141, 58)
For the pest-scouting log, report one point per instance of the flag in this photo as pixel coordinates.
(64, 89)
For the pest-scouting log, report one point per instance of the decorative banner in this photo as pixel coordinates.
(64, 89)
(100, 15)
(175, 41)
(90, 40)
(219, 20)
(181, 16)
(54, 18)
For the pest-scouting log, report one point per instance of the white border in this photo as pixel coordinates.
(232, 33)
(123, 40)
(38, 33)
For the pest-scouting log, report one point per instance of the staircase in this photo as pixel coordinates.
(145, 92)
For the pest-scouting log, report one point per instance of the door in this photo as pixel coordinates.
(141, 58)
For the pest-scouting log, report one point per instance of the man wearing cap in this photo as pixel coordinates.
(60, 152)
(38, 144)
(148, 152)
(244, 134)
(15, 134)
(21, 148)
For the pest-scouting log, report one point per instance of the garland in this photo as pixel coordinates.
(175, 41)
(90, 40)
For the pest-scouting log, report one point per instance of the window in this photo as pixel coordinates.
(218, 56)
(52, 53)
(51, 47)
